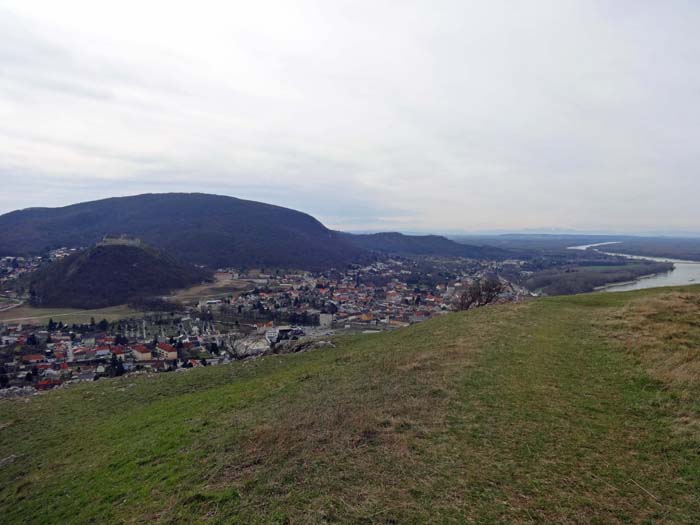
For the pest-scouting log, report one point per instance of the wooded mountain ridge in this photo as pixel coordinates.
(215, 231)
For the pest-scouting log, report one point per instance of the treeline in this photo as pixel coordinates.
(587, 279)
(154, 304)
(673, 248)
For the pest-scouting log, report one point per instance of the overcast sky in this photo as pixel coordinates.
(403, 115)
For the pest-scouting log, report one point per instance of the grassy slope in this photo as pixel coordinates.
(544, 412)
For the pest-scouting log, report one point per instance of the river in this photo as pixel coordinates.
(684, 272)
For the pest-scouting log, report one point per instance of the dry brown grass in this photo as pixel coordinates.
(222, 286)
(663, 332)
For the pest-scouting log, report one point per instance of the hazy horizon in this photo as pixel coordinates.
(455, 117)
(544, 231)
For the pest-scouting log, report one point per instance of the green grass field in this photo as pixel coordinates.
(579, 409)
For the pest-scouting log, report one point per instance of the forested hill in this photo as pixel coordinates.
(434, 245)
(109, 275)
(216, 231)
(213, 230)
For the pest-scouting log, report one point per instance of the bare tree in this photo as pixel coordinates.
(490, 289)
(480, 293)
(470, 296)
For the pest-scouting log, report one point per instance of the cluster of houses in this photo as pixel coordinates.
(383, 294)
(45, 358)
(12, 268)
(280, 312)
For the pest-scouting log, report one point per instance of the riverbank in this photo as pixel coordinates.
(684, 272)
(584, 279)
(625, 283)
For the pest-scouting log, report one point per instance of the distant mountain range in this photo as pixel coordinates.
(215, 231)
(108, 275)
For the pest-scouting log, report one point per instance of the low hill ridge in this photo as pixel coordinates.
(427, 245)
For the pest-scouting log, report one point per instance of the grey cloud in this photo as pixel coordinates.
(473, 115)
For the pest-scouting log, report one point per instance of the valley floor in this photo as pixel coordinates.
(580, 409)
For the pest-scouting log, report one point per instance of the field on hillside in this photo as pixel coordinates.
(32, 315)
(7, 304)
(221, 286)
(574, 410)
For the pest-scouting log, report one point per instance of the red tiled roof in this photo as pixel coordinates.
(47, 383)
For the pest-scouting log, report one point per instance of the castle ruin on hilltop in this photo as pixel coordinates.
(119, 240)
